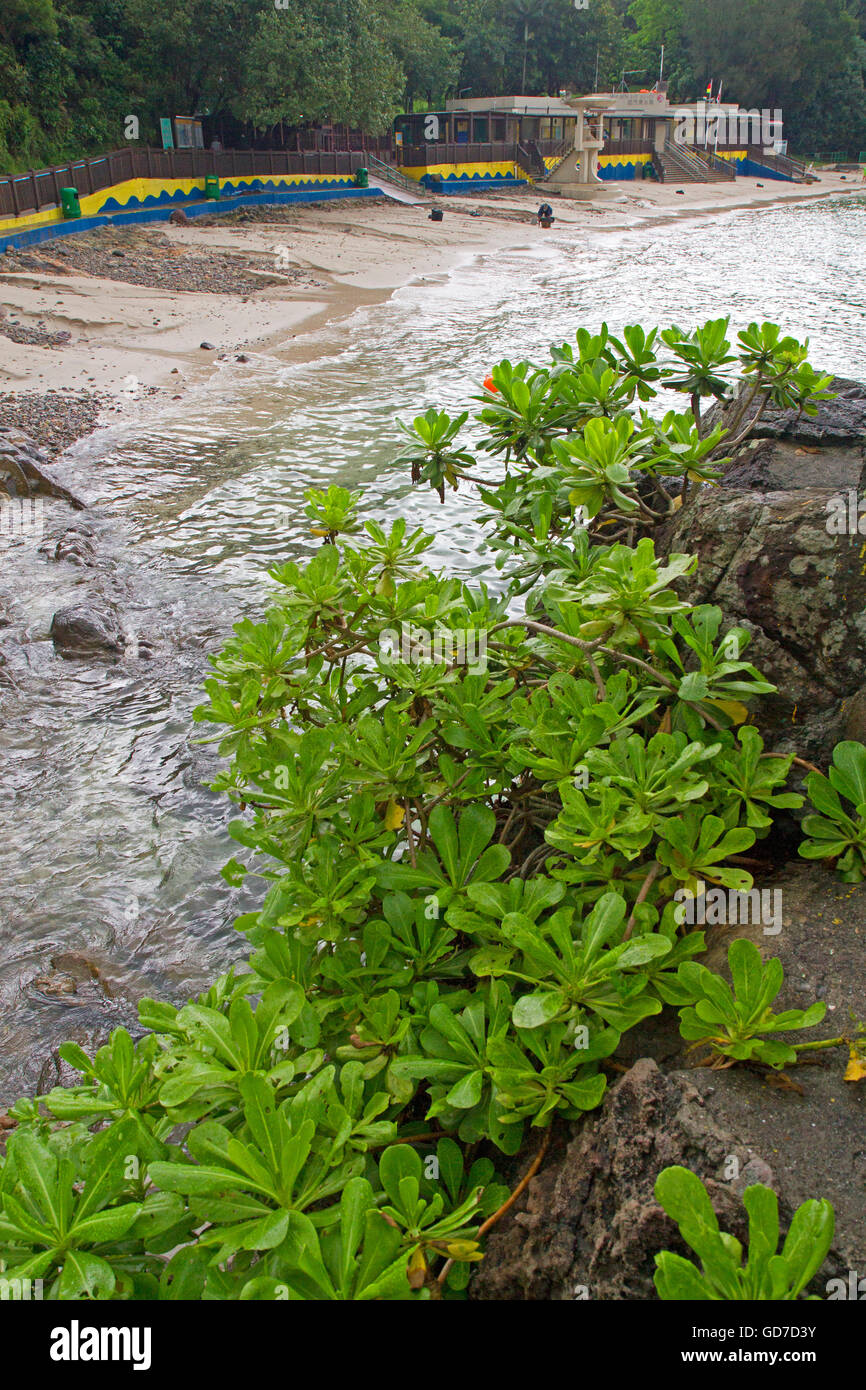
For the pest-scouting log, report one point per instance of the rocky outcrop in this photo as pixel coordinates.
(86, 631)
(841, 421)
(25, 470)
(778, 554)
(75, 547)
(589, 1219)
(768, 561)
(590, 1226)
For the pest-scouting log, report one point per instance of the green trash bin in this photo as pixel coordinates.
(211, 186)
(362, 178)
(69, 202)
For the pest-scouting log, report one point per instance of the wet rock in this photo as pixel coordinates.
(91, 1026)
(207, 347)
(179, 218)
(589, 1219)
(75, 546)
(86, 631)
(770, 563)
(25, 469)
(55, 984)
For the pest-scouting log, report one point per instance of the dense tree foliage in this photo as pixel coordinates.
(71, 71)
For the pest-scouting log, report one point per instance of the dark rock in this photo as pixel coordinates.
(75, 547)
(208, 347)
(179, 218)
(780, 465)
(589, 1219)
(25, 469)
(840, 421)
(853, 711)
(86, 631)
(814, 1135)
(768, 561)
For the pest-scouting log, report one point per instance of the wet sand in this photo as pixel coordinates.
(312, 264)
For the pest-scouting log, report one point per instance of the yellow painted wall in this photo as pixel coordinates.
(135, 191)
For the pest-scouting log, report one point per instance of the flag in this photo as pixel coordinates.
(710, 88)
(719, 93)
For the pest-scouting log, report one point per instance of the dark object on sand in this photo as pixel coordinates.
(545, 215)
(436, 215)
(179, 218)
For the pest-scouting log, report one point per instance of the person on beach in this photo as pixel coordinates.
(545, 215)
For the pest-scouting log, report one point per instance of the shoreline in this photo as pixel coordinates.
(72, 329)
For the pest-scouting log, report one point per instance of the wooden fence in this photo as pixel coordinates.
(40, 188)
(498, 152)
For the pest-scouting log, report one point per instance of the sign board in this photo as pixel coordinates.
(167, 137)
(188, 133)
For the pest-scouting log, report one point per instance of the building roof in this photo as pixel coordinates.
(514, 105)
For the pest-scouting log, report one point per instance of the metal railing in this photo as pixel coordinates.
(390, 174)
(794, 168)
(723, 168)
(687, 163)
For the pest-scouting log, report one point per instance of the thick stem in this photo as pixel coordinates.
(506, 1206)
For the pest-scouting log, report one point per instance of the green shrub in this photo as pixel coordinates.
(470, 812)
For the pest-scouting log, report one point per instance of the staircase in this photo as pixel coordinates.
(560, 154)
(721, 170)
(530, 159)
(679, 164)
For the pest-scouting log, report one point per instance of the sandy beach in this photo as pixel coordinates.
(72, 323)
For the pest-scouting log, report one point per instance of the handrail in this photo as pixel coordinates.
(395, 176)
(784, 163)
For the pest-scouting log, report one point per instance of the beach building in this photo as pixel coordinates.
(573, 144)
(485, 142)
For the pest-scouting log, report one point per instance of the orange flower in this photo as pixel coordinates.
(489, 386)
